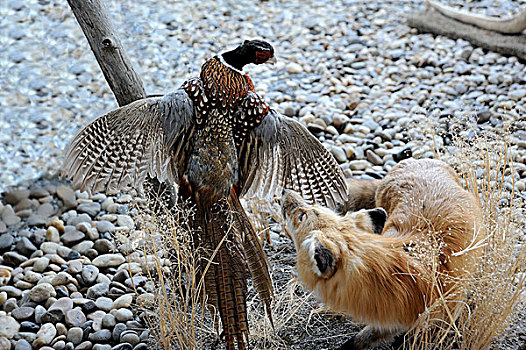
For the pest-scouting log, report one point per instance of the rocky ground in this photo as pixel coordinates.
(368, 86)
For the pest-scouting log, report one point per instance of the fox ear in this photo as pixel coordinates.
(378, 217)
(325, 261)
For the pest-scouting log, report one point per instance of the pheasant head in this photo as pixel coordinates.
(251, 51)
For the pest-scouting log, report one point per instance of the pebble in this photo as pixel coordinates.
(22, 313)
(294, 68)
(86, 345)
(6, 240)
(100, 336)
(13, 258)
(122, 315)
(23, 344)
(91, 208)
(107, 260)
(75, 317)
(124, 301)
(8, 326)
(130, 337)
(104, 226)
(67, 195)
(45, 335)
(125, 221)
(117, 331)
(373, 158)
(104, 303)
(89, 274)
(63, 304)
(108, 321)
(73, 236)
(41, 264)
(98, 290)
(5, 276)
(358, 164)
(75, 335)
(42, 292)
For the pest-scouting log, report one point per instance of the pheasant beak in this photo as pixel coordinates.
(271, 60)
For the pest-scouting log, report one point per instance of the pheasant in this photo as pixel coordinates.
(216, 140)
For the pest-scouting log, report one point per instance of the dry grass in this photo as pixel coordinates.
(486, 301)
(178, 318)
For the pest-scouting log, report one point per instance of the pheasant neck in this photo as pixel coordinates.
(236, 59)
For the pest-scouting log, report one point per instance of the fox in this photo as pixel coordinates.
(384, 265)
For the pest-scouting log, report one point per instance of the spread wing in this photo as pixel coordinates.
(119, 149)
(282, 154)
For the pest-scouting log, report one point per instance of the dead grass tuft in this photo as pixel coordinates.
(485, 302)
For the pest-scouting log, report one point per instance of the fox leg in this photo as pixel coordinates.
(369, 337)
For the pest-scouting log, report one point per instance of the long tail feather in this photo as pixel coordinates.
(255, 257)
(225, 279)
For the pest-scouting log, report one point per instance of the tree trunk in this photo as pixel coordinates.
(106, 45)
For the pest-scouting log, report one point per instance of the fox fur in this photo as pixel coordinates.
(383, 266)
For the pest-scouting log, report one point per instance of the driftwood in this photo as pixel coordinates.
(106, 45)
(507, 25)
(431, 21)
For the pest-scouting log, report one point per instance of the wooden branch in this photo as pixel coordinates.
(434, 22)
(104, 41)
(123, 80)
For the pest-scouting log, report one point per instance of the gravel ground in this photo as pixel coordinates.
(364, 83)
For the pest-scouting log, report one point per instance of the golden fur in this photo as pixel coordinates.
(386, 280)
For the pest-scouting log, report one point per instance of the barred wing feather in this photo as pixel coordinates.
(282, 154)
(117, 150)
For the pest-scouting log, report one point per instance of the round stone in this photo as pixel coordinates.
(100, 336)
(98, 290)
(108, 321)
(104, 226)
(45, 335)
(125, 221)
(5, 276)
(41, 264)
(130, 337)
(104, 303)
(42, 292)
(23, 313)
(101, 347)
(23, 344)
(123, 346)
(67, 195)
(108, 260)
(89, 274)
(75, 335)
(91, 208)
(86, 345)
(117, 331)
(8, 326)
(64, 304)
(124, 301)
(122, 315)
(75, 317)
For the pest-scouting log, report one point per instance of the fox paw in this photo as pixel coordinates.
(351, 344)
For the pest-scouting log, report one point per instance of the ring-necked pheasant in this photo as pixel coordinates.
(217, 140)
